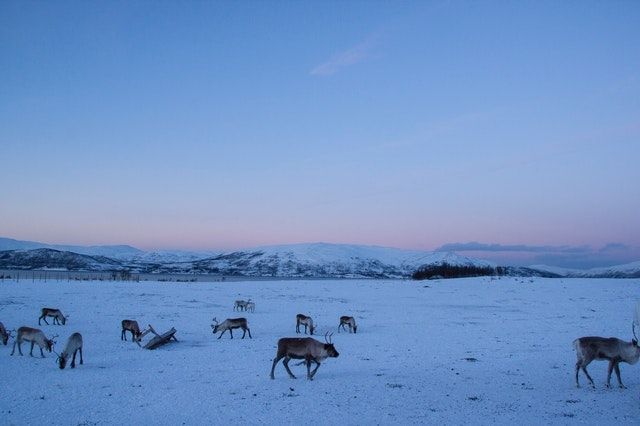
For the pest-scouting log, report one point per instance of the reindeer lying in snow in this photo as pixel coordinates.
(74, 344)
(4, 334)
(230, 324)
(601, 348)
(55, 313)
(350, 321)
(35, 336)
(308, 349)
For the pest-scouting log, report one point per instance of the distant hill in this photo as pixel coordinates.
(316, 260)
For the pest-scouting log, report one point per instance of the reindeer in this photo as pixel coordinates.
(306, 348)
(230, 324)
(35, 336)
(600, 348)
(74, 344)
(55, 313)
(133, 327)
(250, 306)
(350, 321)
(240, 305)
(4, 334)
(306, 321)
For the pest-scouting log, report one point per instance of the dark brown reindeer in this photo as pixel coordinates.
(306, 348)
(55, 313)
(350, 321)
(4, 334)
(601, 348)
(35, 336)
(306, 321)
(230, 324)
(74, 344)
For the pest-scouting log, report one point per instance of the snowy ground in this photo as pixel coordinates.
(475, 351)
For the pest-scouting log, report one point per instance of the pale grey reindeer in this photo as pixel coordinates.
(306, 321)
(348, 321)
(74, 344)
(305, 348)
(240, 305)
(4, 334)
(611, 349)
(34, 336)
(55, 313)
(250, 306)
(230, 324)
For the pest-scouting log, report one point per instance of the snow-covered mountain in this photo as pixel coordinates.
(628, 270)
(113, 251)
(319, 260)
(45, 258)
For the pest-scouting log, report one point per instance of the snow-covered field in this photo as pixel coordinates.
(475, 351)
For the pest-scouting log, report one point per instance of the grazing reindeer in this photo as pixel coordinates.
(240, 305)
(4, 334)
(133, 327)
(350, 321)
(601, 348)
(230, 324)
(306, 321)
(35, 336)
(306, 348)
(250, 306)
(55, 313)
(74, 344)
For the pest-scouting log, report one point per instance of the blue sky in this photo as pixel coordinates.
(216, 125)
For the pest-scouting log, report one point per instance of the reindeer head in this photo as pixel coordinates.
(62, 360)
(64, 319)
(5, 337)
(328, 346)
(50, 342)
(214, 327)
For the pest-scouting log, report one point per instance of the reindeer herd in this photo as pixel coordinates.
(308, 349)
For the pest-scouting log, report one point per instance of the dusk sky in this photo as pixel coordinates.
(220, 125)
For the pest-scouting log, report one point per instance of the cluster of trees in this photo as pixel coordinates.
(445, 270)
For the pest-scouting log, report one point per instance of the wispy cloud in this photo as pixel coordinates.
(352, 56)
(475, 246)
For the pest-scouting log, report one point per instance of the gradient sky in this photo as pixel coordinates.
(217, 125)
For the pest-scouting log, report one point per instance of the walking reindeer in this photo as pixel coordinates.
(230, 324)
(305, 348)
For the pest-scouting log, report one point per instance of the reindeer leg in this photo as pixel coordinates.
(617, 367)
(609, 370)
(308, 362)
(81, 362)
(219, 337)
(31, 352)
(577, 371)
(249, 333)
(313, 373)
(273, 366)
(14, 348)
(286, 366)
(73, 360)
(123, 335)
(41, 353)
(244, 331)
(231, 333)
(584, 368)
